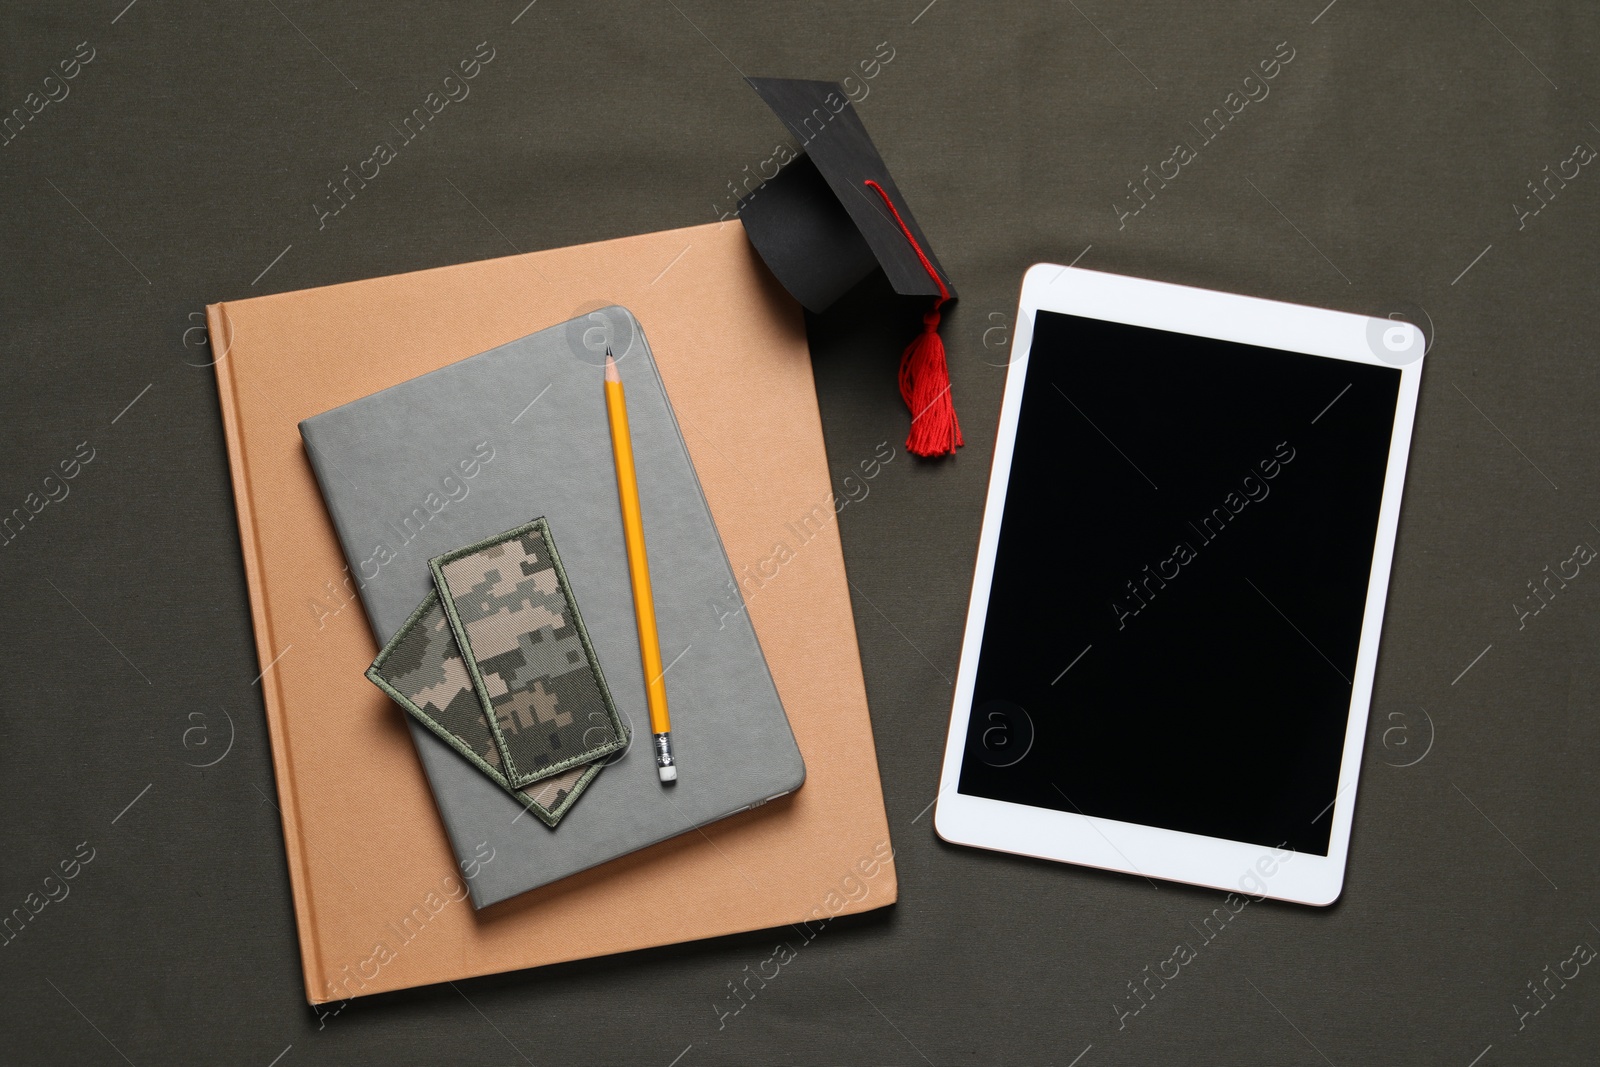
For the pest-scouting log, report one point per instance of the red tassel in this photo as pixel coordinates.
(925, 387)
(924, 374)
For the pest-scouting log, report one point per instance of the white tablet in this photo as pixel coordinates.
(1174, 622)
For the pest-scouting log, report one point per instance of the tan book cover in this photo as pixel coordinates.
(378, 897)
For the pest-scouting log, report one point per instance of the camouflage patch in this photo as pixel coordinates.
(524, 645)
(422, 670)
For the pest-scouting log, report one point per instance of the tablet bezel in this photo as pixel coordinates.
(1150, 851)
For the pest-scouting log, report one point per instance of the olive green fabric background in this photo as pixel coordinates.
(188, 162)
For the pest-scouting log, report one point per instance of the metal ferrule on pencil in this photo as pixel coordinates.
(665, 767)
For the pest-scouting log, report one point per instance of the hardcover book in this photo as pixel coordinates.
(367, 851)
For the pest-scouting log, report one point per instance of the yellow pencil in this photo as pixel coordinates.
(644, 605)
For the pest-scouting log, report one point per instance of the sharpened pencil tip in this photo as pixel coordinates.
(611, 368)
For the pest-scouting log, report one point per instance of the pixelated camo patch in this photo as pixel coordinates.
(527, 653)
(422, 670)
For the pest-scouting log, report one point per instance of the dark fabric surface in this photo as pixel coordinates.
(188, 162)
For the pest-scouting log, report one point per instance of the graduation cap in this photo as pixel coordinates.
(832, 216)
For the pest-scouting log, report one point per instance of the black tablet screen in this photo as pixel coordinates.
(1179, 582)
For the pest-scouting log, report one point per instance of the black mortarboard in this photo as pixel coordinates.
(818, 225)
(833, 215)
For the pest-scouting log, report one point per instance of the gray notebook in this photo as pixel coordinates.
(518, 432)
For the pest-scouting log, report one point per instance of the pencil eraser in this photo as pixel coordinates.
(668, 774)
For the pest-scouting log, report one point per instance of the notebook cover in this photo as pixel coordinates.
(368, 858)
(378, 455)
